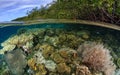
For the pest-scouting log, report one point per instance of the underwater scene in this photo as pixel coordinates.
(59, 49)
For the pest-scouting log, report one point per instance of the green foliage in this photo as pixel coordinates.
(118, 8)
(97, 10)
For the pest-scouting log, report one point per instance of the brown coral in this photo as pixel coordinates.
(96, 57)
(41, 70)
(68, 54)
(32, 64)
(63, 68)
(82, 70)
(47, 50)
(57, 58)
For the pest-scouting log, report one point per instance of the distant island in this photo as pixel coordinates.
(102, 11)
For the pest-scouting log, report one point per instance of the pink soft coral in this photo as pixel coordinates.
(96, 57)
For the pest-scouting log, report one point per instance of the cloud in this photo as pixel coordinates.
(23, 7)
(4, 4)
(15, 7)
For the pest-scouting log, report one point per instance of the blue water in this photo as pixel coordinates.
(108, 36)
(6, 32)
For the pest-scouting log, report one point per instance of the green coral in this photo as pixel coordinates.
(118, 62)
(52, 40)
(21, 31)
(83, 34)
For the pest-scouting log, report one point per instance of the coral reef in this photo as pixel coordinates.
(97, 57)
(23, 39)
(118, 62)
(41, 70)
(47, 50)
(57, 58)
(83, 34)
(56, 52)
(52, 40)
(32, 64)
(39, 59)
(50, 65)
(63, 68)
(21, 31)
(7, 48)
(68, 54)
(117, 72)
(82, 70)
(69, 40)
(16, 61)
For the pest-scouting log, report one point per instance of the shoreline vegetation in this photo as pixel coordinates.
(98, 11)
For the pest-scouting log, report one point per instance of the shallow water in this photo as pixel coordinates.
(52, 36)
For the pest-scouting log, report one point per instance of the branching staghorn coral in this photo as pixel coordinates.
(97, 57)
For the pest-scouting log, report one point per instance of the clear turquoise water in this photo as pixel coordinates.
(110, 37)
(6, 32)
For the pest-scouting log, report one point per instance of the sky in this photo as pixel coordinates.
(11, 9)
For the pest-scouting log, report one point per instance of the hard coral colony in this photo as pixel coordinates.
(61, 55)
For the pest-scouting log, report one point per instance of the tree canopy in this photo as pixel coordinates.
(95, 10)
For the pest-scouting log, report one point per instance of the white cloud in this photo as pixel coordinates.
(23, 7)
(7, 5)
(14, 8)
